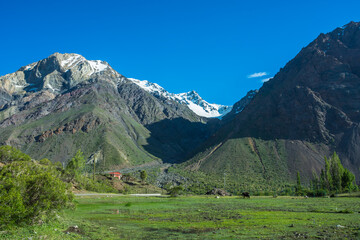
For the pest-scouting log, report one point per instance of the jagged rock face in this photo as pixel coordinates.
(84, 123)
(149, 109)
(314, 99)
(42, 81)
(57, 73)
(240, 105)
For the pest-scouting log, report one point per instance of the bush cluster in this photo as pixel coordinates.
(31, 192)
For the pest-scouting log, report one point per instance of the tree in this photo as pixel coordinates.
(143, 175)
(323, 184)
(327, 175)
(336, 171)
(348, 181)
(298, 184)
(334, 177)
(76, 165)
(314, 182)
(126, 177)
(175, 191)
(316, 185)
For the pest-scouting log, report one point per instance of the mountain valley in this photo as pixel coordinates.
(308, 110)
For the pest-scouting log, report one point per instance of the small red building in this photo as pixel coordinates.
(116, 174)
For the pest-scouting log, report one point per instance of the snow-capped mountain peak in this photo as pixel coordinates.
(69, 61)
(60, 72)
(57, 74)
(192, 99)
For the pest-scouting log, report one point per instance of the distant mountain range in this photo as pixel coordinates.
(49, 107)
(191, 99)
(53, 107)
(77, 67)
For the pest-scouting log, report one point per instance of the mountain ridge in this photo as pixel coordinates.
(51, 107)
(306, 111)
(192, 99)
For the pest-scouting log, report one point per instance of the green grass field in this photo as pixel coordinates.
(201, 217)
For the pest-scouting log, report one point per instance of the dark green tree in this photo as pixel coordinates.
(348, 181)
(322, 180)
(328, 179)
(315, 182)
(336, 171)
(143, 175)
(298, 184)
(175, 191)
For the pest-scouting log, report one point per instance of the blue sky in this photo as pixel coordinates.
(213, 47)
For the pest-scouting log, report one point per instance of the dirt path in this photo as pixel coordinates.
(255, 149)
(196, 166)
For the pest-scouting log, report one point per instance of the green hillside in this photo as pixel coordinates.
(254, 164)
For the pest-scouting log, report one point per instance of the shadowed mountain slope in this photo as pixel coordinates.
(308, 110)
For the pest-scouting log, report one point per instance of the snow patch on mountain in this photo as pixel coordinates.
(97, 65)
(192, 99)
(30, 66)
(72, 60)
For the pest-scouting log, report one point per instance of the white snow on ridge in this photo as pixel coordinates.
(152, 88)
(191, 99)
(30, 66)
(209, 111)
(73, 60)
(97, 65)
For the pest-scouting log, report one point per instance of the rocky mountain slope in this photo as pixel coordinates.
(307, 111)
(55, 106)
(240, 105)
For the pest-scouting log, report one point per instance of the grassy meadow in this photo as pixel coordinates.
(201, 217)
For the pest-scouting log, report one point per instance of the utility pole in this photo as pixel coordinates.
(224, 180)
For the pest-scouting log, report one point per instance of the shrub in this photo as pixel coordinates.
(45, 161)
(9, 154)
(316, 193)
(31, 192)
(99, 185)
(176, 191)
